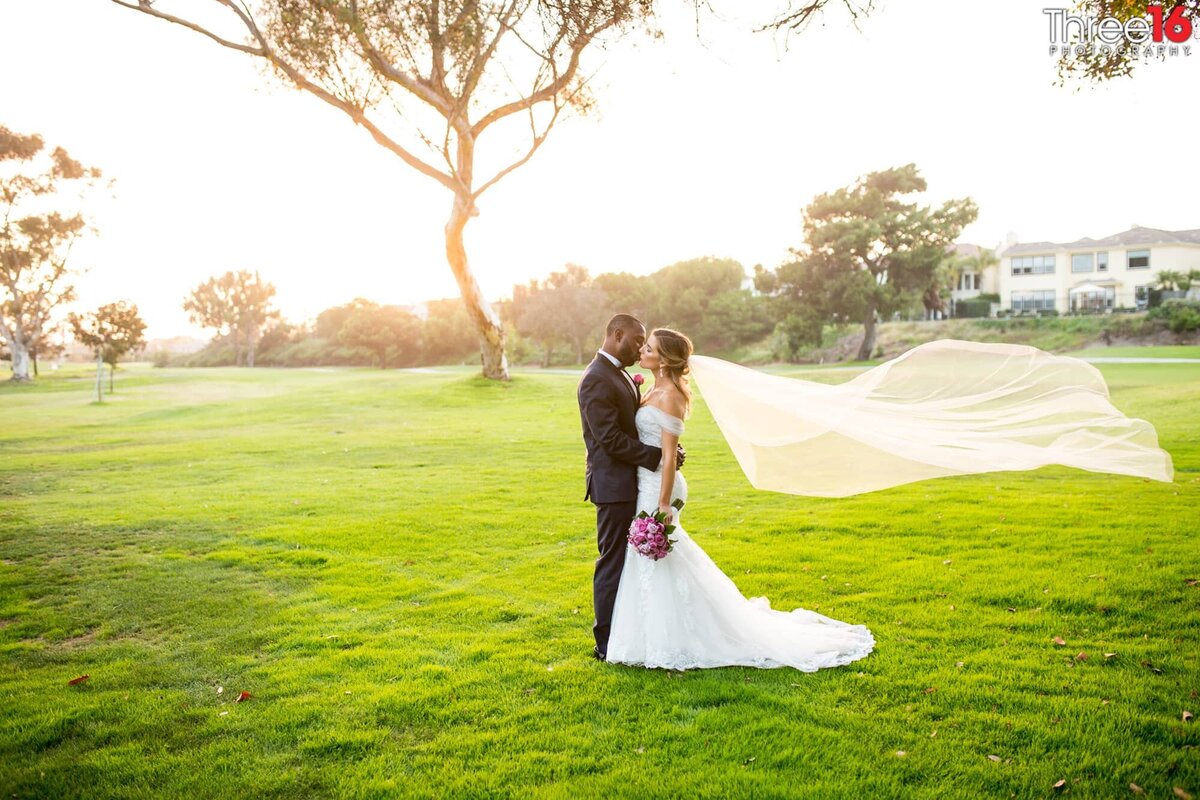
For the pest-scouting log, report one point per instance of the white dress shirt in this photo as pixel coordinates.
(617, 364)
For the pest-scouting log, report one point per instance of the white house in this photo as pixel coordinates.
(971, 281)
(1092, 274)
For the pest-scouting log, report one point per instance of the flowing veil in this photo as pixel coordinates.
(948, 407)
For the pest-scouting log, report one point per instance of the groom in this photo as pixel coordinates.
(608, 401)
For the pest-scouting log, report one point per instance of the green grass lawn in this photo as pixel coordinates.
(397, 567)
(1155, 351)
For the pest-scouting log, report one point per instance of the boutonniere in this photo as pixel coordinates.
(638, 380)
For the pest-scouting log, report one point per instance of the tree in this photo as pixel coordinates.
(392, 334)
(110, 332)
(1170, 280)
(451, 69)
(1101, 61)
(448, 334)
(237, 303)
(626, 293)
(950, 272)
(866, 253)
(48, 346)
(704, 298)
(331, 320)
(565, 307)
(34, 242)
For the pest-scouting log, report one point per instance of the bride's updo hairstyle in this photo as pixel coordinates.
(674, 350)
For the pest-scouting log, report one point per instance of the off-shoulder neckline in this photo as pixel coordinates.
(661, 411)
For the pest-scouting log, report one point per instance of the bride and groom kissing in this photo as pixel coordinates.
(679, 611)
(943, 408)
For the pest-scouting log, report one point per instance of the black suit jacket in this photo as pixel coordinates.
(607, 405)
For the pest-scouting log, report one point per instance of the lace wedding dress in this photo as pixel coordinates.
(682, 612)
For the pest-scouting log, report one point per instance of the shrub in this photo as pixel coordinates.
(1180, 315)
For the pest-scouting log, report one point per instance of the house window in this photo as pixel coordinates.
(1082, 262)
(1137, 259)
(1141, 297)
(1032, 265)
(1098, 299)
(968, 281)
(1102, 262)
(1038, 300)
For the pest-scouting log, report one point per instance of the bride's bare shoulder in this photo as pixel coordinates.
(673, 402)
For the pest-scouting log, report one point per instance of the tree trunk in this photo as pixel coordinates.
(99, 379)
(112, 368)
(868, 342)
(251, 346)
(491, 332)
(20, 361)
(33, 358)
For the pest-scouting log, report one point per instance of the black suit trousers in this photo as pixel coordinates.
(612, 531)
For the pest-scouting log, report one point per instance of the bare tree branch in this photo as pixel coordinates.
(146, 7)
(264, 50)
(553, 89)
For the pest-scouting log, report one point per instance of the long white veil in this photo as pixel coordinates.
(947, 407)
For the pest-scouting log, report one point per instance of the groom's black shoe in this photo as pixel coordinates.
(596, 654)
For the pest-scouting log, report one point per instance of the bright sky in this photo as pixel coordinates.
(700, 147)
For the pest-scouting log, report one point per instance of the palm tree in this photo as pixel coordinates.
(1168, 280)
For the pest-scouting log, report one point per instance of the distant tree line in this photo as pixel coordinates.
(558, 321)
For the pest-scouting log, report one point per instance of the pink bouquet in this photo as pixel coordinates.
(650, 533)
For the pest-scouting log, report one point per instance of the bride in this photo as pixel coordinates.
(682, 611)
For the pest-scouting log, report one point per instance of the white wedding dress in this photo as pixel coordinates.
(682, 612)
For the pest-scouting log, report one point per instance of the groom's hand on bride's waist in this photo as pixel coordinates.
(680, 455)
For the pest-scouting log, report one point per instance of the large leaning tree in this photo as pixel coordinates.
(867, 253)
(428, 78)
(36, 237)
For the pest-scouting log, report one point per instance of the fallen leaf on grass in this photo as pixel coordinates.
(1187, 716)
(1060, 784)
(1110, 655)
(930, 690)
(1181, 794)
(1152, 668)
(1192, 581)
(224, 714)
(1133, 787)
(901, 753)
(1058, 640)
(994, 758)
(750, 759)
(1012, 610)
(243, 696)
(220, 690)
(77, 681)
(1081, 656)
